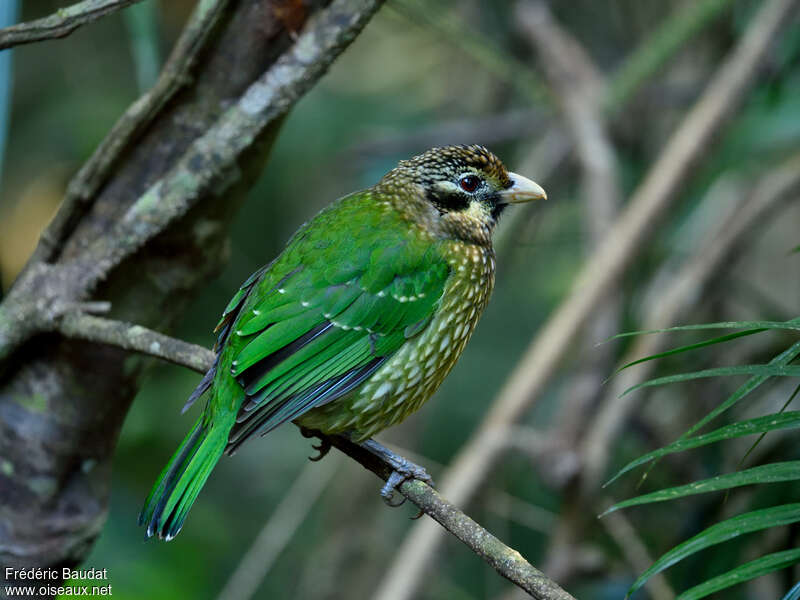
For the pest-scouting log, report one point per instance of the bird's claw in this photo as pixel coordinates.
(387, 491)
(404, 471)
(322, 448)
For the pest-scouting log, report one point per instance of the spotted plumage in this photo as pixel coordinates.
(357, 322)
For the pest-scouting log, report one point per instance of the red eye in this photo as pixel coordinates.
(470, 183)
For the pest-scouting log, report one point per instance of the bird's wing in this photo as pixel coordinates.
(324, 328)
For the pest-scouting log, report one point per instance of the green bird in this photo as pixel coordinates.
(355, 324)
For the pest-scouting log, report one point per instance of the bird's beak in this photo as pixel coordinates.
(522, 190)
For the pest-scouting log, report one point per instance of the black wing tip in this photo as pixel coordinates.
(165, 530)
(202, 387)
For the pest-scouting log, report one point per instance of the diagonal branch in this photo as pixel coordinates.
(176, 74)
(773, 188)
(168, 181)
(543, 357)
(211, 163)
(505, 560)
(580, 89)
(61, 23)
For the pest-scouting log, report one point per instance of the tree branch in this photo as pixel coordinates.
(505, 560)
(136, 338)
(211, 161)
(543, 356)
(61, 23)
(176, 73)
(156, 199)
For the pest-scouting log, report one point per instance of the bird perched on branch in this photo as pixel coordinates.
(355, 324)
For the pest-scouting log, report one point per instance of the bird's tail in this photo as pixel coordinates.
(182, 479)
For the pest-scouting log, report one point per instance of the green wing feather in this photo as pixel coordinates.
(303, 331)
(326, 316)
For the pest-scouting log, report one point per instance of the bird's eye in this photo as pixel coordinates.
(470, 183)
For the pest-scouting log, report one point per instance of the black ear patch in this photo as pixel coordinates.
(447, 200)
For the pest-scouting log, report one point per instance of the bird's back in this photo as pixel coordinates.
(354, 325)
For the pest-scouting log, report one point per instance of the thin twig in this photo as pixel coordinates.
(137, 339)
(579, 89)
(505, 560)
(61, 23)
(648, 203)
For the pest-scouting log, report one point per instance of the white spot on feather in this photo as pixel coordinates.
(444, 343)
(384, 389)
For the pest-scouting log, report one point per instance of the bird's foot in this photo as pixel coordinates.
(403, 470)
(322, 448)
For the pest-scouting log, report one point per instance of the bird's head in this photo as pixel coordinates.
(457, 191)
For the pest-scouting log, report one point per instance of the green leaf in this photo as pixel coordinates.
(767, 370)
(793, 324)
(784, 358)
(761, 437)
(772, 473)
(746, 572)
(680, 349)
(788, 420)
(757, 520)
(741, 392)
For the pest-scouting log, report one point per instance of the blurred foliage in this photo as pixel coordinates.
(405, 76)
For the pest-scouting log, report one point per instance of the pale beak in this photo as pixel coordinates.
(522, 190)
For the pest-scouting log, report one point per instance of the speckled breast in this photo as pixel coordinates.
(417, 369)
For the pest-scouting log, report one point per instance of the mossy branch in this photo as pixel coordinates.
(210, 166)
(157, 197)
(505, 560)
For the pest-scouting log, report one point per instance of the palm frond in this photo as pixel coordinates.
(771, 473)
(755, 568)
(729, 529)
(775, 472)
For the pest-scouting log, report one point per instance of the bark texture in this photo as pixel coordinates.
(143, 226)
